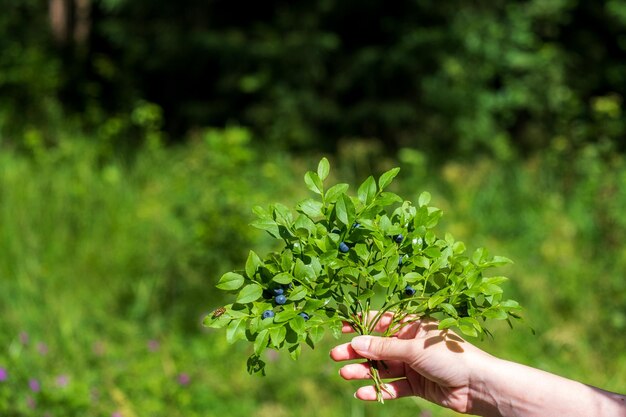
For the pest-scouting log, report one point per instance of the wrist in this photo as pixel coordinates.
(484, 398)
(500, 388)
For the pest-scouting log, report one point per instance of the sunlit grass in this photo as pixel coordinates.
(106, 267)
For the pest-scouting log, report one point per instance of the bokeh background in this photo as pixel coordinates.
(136, 136)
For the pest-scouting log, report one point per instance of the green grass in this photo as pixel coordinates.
(101, 256)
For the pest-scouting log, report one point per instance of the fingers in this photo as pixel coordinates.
(344, 353)
(396, 389)
(387, 369)
(384, 348)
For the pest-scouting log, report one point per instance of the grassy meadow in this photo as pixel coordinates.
(108, 264)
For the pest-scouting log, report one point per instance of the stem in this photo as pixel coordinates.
(378, 382)
(385, 309)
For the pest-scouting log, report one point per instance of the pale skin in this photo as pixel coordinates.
(441, 367)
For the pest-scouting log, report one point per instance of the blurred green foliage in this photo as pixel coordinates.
(107, 266)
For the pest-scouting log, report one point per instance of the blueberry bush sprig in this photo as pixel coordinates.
(344, 256)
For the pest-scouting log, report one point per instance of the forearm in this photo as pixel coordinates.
(507, 389)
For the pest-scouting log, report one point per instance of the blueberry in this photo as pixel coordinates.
(400, 260)
(304, 316)
(277, 290)
(267, 314)
(398, 238)
(356, 225)
(410, 291)
(343, 248)
(280, 299)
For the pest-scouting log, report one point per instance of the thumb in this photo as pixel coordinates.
(379, 348)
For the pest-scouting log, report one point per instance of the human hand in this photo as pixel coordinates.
(422, 360)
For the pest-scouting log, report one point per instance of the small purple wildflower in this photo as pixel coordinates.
(42, 348)
(4, 375)
(34, 385)
(184, 379)
(24, 338)
(63, 381)
(153, 345)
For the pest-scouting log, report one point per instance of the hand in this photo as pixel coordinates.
(437, 365)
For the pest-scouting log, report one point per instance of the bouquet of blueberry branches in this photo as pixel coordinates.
(343, 257)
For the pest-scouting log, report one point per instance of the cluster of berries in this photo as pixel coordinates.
(278, 294)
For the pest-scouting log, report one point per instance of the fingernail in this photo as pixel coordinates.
(354, 395)
(361, 343)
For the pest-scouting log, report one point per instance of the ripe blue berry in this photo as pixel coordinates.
(280, 299)
(356, 225)
(277, 290)
(398, 238)
(267, 314)
(410, 291)
(304, 316)
(343, 248)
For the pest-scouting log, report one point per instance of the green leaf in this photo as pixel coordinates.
(500, 261)
(435, 300)
(277, 335)
(297, 324)
(252, 264)
(236, 330)
(387, 177)
(387, 198)
(295, 351)
(230, 281)
(216, 322)
(495, 313)
(286, 260)
(362, 251)
(298, 293)
(412, 277)
(285, 315)
(311, 208)
(323, 168)
(367, 190)
(334, 192)
(479, 256)
(468, 330)
(423, 199)
(255, 365)
(303, 272)
(447, 323)
(260, 343)
(448, 309)
(345, 210)
(249, 293)
(283, 278)
(268, 225)
(313, 182)
(282, 215)
(316, 333)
